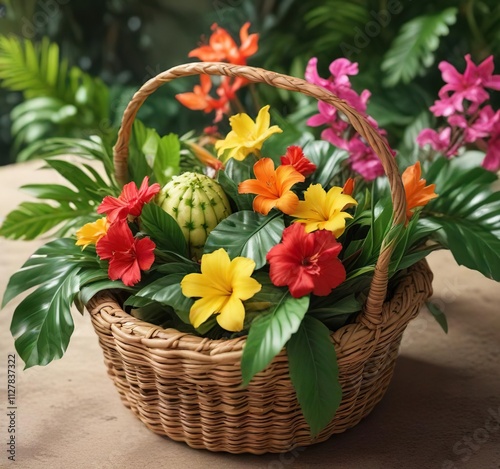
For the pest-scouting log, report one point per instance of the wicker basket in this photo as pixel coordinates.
(189, 388)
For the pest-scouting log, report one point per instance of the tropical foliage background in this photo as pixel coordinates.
(68, 68)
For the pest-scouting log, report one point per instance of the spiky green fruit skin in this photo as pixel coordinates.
(198, 204)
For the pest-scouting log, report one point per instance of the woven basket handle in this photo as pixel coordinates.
(378, 287)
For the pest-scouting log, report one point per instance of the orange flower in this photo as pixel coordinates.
(200, 100)
(221, 46)
(348, 188)
(272, 187)
(417, 193)
(205, 157)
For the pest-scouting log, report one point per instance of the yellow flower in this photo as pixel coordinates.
(246, 135)
(323, 211)
(92, 232)
(221, 286)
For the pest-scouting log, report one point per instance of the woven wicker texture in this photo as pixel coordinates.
(189, 388)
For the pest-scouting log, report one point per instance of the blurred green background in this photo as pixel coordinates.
(68, 68)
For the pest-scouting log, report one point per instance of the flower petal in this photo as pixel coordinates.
(288, 202)
(205, 307)
(263, 204)
(232, 315)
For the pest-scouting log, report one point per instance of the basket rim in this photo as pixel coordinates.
(105, 308)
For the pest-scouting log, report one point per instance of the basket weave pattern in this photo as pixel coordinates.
(189, 388)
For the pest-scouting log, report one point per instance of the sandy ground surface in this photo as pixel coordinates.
(442, 409)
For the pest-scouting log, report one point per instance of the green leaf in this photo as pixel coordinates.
(466, 215)
(51, 192)
(413, 49)
(381, 214)
(242, 201)
(53, 95)
(89, 188)
(438, 315)
(314, 373)
(90, 290)
(471, 242)
(50, 261)
(42, 324)
(346, 305)
(149, 311)
(247, 234)
(90, 149)
(333, 21)
(163, 229)
(138, 164)
(269, 334)
(32, 69)
(265, 298)
(32, 219)
(328, 161)
(167, 159)
(72, 208)
(167, 290)
(240, 171)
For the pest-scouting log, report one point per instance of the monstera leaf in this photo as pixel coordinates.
(466, 215)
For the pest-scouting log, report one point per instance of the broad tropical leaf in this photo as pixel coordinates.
(42, 323)
(167, 290)
(334, 22)
(163, 229)
(270, 332)
(247, 234)
(71, 208)
(59, 100)
(242, 201)
(32, 219)
(314, 373)
(413, 49)
(44, 334)
(466, 215)
(327, 159)
(167, 159)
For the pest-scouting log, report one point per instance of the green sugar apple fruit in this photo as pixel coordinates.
(198, 204)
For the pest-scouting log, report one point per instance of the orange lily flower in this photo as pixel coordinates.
(417, 193)
(221, 46)
(272, 187)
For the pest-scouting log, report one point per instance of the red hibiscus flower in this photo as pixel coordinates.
(295, 157)
(129, 202)
(306, 262)
(127, 255)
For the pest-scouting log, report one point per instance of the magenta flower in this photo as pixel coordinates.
(483, 72)
(439, 141)
(339, 83)
(491, 161)
(480, 127)
(327, 116)
(471, 86)
(339, 132)
(364, 160)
